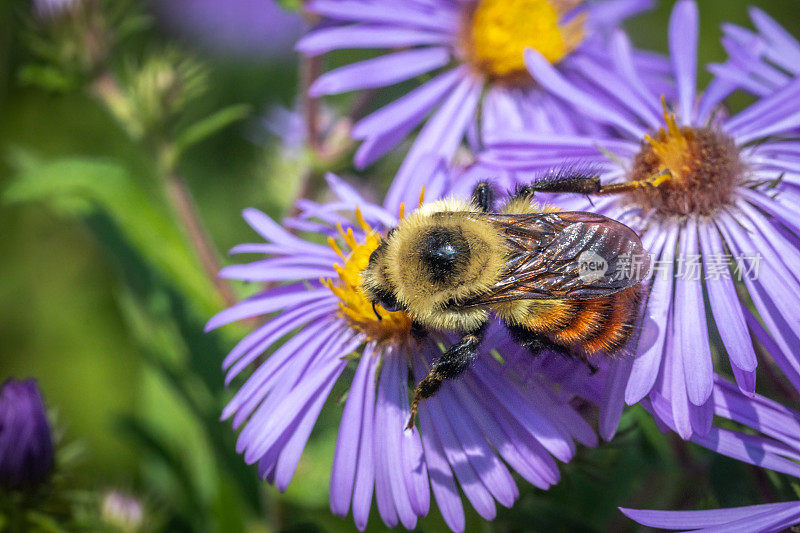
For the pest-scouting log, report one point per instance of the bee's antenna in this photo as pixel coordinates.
(380, 318)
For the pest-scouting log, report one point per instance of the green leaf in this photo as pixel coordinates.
(47, 77)
(210, 125)
(44, 523)
(80, 186)
(186, 362)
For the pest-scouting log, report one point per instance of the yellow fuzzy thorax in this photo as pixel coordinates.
(499, 31)
(353, 304)
(426, 301)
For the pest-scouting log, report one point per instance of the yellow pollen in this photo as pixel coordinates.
(501, 30)
(673, 146)
(691, 170)
(353, 304)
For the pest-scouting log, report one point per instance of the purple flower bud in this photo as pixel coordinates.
(26, 444)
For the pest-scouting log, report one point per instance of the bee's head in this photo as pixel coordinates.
(433, 261)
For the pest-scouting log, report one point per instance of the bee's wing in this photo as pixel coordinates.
(566, 255)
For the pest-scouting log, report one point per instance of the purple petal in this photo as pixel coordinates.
(788, 365)
(611, 13)
(511, 399)
(441, 136)
(279, 327)
(787, 48)
(290, 456)
(274, 232)
(700, 519)
(493, 473)
(325, 40)
(683, 29)
(365, 471)
(566, 144)
(755, 450)
(675, 384)
(387, 438)
(346, 192)
(766, 521)
(622, 55)
(416, 103)
(414, 468)
(757, 412)
(692, 326)
(376, 146)
(348, 442)
(498, 438)
(380, 71)
(746, 448)
(727, 309)
(469, 480)
(544, 73)
(443, 485)
(306, 266)
(265, 330)
(444, 20)
(273, 417)
(623, 95)
(298, 351)
(764, 112)
(613, 400)
(268, 301)
(717, 91)
(646, 366)
(774, 297)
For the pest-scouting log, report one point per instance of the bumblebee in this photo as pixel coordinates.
(568, 282)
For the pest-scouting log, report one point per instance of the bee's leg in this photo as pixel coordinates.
(581, 183)
(537, 343)
(483, 196)
(418, 331)
(449, 365)
(628, 186)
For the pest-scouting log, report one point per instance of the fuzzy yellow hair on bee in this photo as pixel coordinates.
(451, 263)
(439, 256)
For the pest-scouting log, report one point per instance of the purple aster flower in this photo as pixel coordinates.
(473, 51)
(510, 412)
(723, 228)
(771, 440)
(26, 445)
(762, 61)
(259, 28)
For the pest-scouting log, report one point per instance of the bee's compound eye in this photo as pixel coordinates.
(388, 302)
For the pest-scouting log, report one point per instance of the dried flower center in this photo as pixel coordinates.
(353, 304)
(499, 31)
(704, 165)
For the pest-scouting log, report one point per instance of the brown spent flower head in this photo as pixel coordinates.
(705, 170)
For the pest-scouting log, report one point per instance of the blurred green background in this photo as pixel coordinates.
(89, 317)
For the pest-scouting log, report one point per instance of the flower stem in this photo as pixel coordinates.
(185, 210)
(310, 68)
(107, 89)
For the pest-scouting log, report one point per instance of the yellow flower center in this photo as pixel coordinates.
(501, 30)
(353, 304)
(704, 168)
